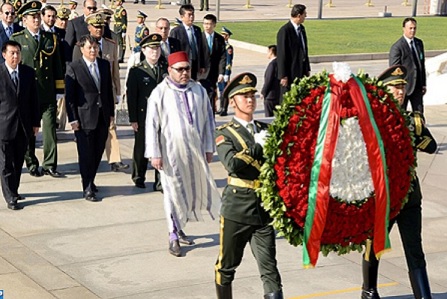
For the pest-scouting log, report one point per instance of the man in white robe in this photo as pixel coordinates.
(180, 144)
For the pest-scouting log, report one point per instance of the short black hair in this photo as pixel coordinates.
(48, 7)
(406, 20)
(11, 43)
(273, 49)
(87, 38)
(210, 17)
(184, 8)
(297, 9)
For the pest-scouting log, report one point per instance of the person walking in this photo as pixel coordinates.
(243, 219)
(90, 110)
(271, 90)
(293, 54)
(409, 220)
(19, 110)
(229, 54)
(120, 28)
(142, 80)
(409, 52)
(180, 144)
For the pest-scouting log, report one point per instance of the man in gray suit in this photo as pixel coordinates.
(409, 52)
(19, 119)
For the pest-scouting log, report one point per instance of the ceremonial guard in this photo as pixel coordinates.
(243, 219)
(140, 84)
(72, 4)
(120, 28)
(226, 33)
(141, 31)
(409, 220)
(40, 50)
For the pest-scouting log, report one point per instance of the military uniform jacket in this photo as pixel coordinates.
(242, 158)
(140, 32)
(228, 58)
(45, 58)
(120, 18)
(140, 84)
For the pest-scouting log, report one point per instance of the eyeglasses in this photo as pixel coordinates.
(181, 69)
(94, 8)
(12, 13)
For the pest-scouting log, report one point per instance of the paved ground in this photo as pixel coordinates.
(60, 246)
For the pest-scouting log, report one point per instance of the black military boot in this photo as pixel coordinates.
(224, 291)
(370, 271)
(274, 295)
(420, 284)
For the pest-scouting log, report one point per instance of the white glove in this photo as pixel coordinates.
(261, 137)
(220, 78)
(226, 77)
(118, 100)
(59, 96)
(123, 34)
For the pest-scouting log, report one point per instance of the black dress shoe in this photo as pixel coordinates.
(14, 206)
(174, 248)
(140, 185)
(20, 197)
(94, 188)
(157, 187)
(184, 239)
(90, 196)
(118, 166)
(223, 113)
(52, 172)
(35, 172)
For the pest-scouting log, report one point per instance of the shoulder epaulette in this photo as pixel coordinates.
(109, 40)
(228, 124)
(18, 33)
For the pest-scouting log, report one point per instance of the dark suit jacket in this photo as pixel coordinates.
(400, 53)
(83, 97)
(180, 33)
(18, 107)
(271, 89)
(3, 37)
(293, 60)
(216, 60)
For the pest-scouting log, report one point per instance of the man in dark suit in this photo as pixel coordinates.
(168, 44)
(214, 56)
(19, 118)
(190, 37)
(7, 26)
(271, 89)
(293, 58)
(90, 109)
(40, 50)
(143, 78)
(409, 52)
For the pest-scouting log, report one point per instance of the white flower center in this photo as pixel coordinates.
(351, 176)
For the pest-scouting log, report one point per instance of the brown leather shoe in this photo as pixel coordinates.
(174, 248)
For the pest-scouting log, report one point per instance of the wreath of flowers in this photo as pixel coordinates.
(290, 151)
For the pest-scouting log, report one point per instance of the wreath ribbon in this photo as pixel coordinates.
(322, 169)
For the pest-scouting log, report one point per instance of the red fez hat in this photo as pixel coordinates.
(177, 57)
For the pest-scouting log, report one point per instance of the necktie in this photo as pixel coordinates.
(165, 49)
(154, 69)
(14, 78)
(9, 31)
(36, 37)
(250, 128)
(94, 75)
(300, 37)
(192, 44)
(100, 49)
(210, 43)
(414, 51)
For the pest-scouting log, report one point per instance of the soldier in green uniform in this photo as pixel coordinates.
(226, 33)
(141, 31)
(243, 219)
(120, 28)
(142, 80)
(40, 50)
(409, 220)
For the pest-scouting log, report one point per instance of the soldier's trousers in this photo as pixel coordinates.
(48, 116)
(139, 162)
(233, 238)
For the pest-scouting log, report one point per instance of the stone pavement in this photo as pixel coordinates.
(61, 246)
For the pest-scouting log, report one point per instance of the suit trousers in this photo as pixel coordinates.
(48, 116)
(139, 161)
(269, 106)
(416, 100)
(233, 238)
(12, 154)
(90, 145)
(113, 152)
(409, 222)
(204, 4)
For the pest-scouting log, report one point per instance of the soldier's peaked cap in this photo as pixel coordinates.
(30, 8)
(96, 19)
(240, 84)
(153, 39)
(63, 13)
(225, 30)
(141, 14)
(394, 75)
